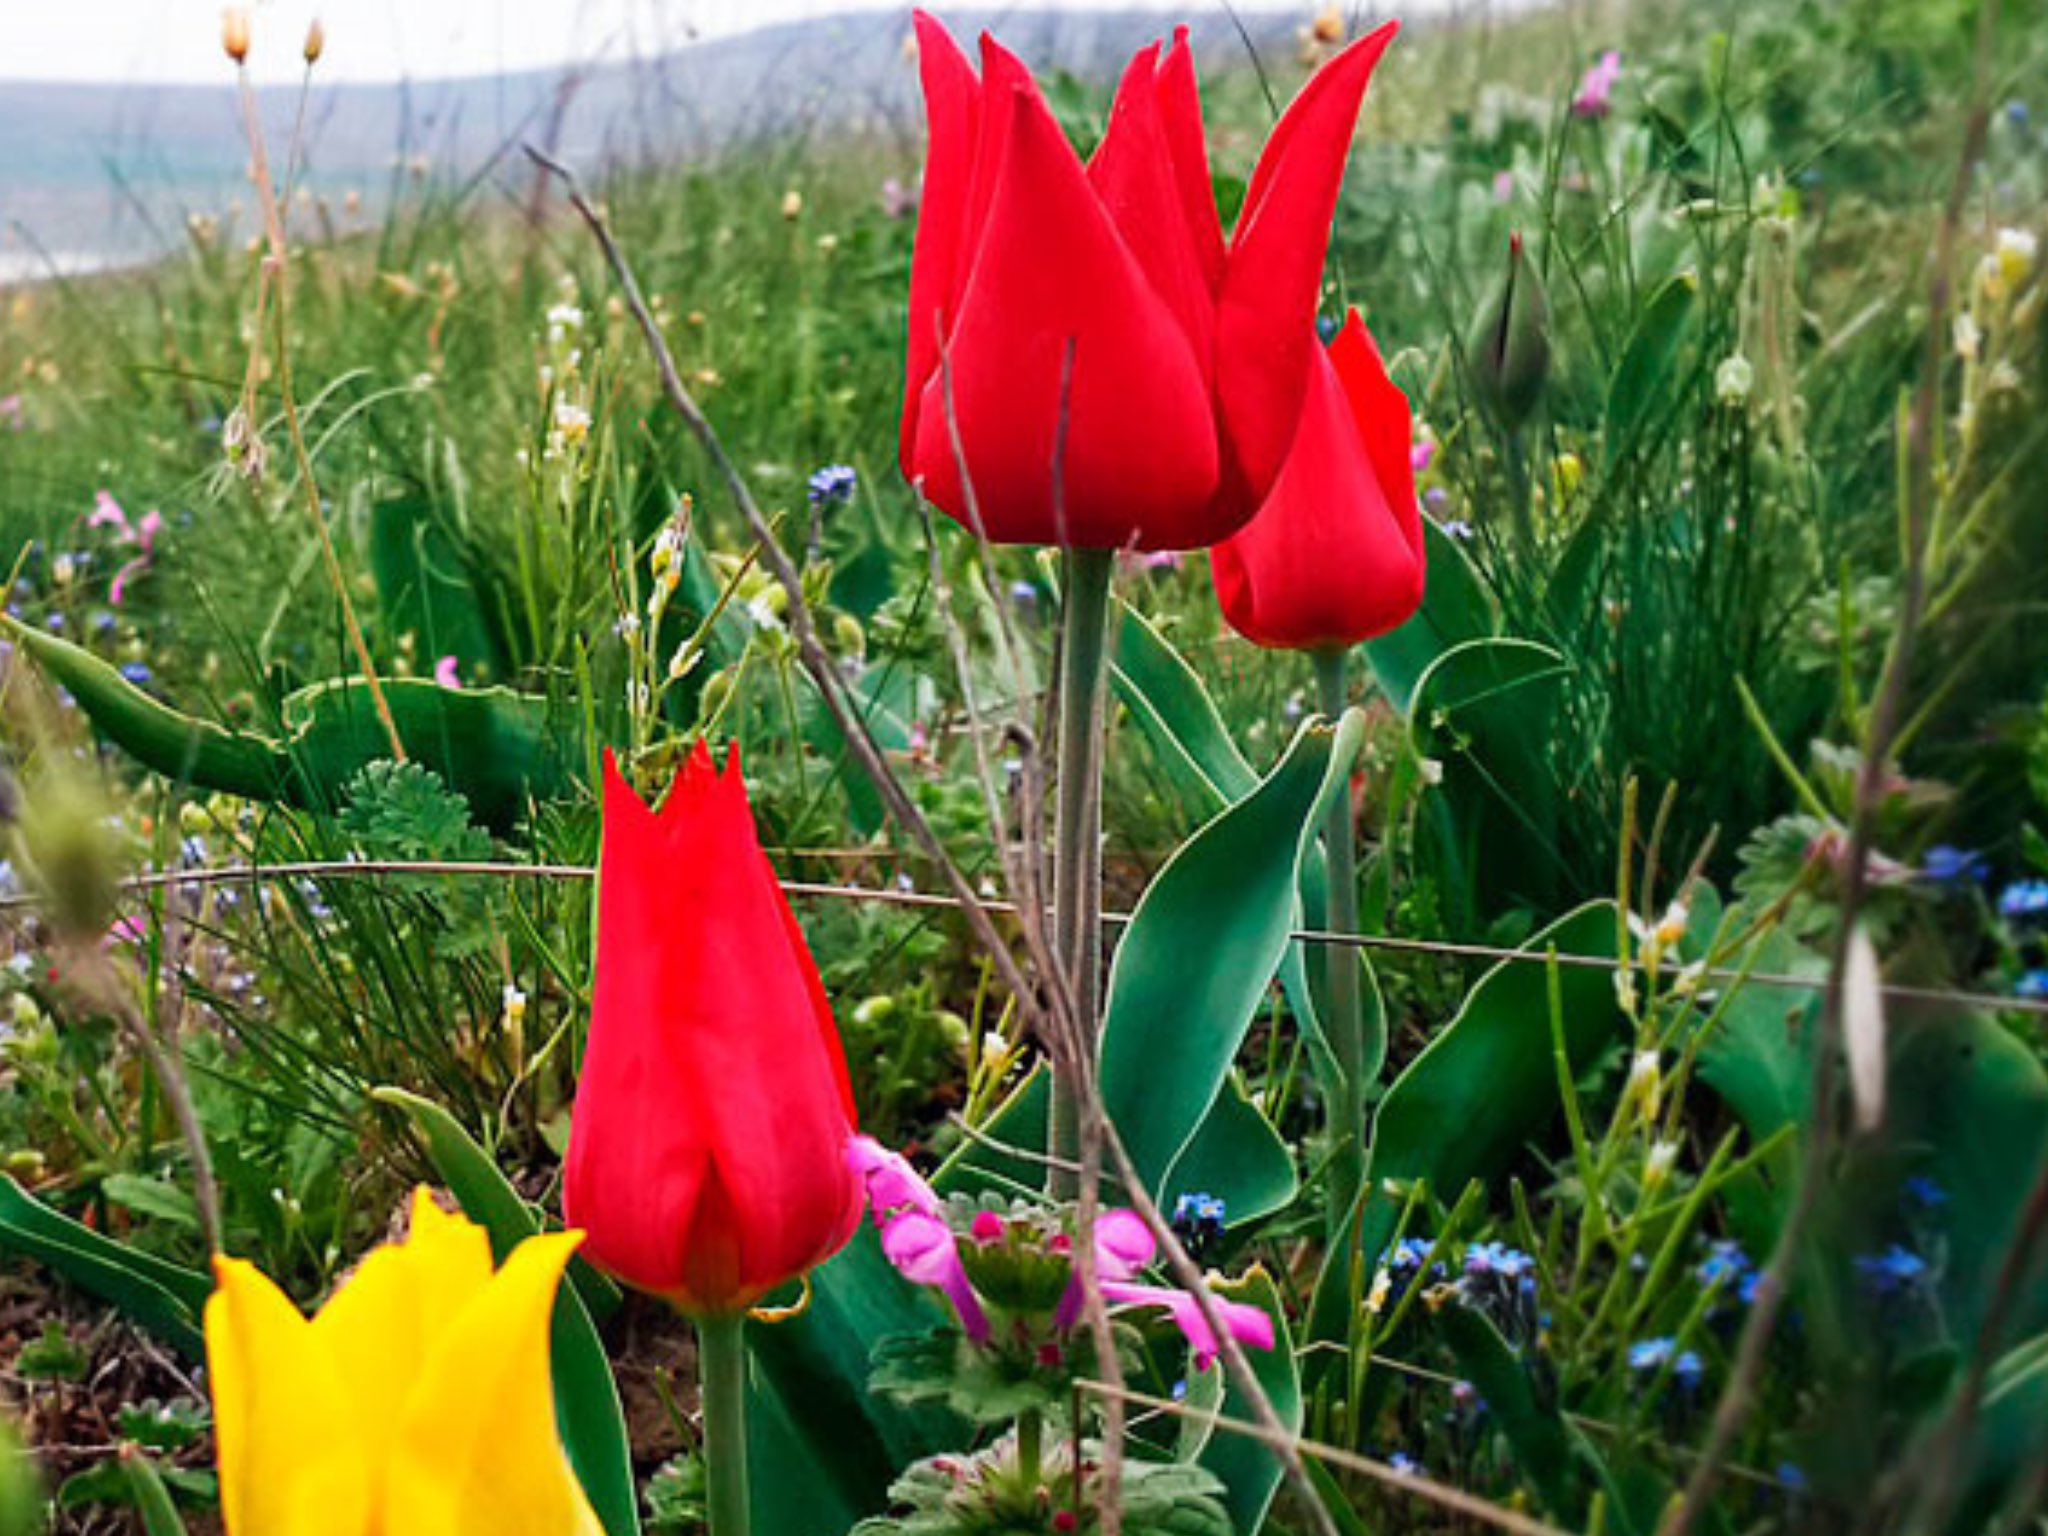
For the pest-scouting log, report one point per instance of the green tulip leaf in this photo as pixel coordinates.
(164, 1298)
(1488, 1082)
(1237, 1156)
(1547, 1450)
(1640, 378)
(1202, 948)
(586, 1395)
(1178, 718)
(1249, 1471)
(1454, 609)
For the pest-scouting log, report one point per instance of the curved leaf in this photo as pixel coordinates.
(1202, 949)
(1454, 609)
(586, 1396)
(1488, 1082)
(157, 1296)
(1249, 1470)
(1647, 360)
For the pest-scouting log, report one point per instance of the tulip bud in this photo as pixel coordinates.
(234, 33)
(316, 42)
(707, 1146)
(1510, 347)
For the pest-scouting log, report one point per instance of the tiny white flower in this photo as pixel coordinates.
(1657, 1167)
(763, 613)
(1969, 338)
(1376, 1298)
(515, 1007)
(993, 1046)
(564, 317)
(1733, 379)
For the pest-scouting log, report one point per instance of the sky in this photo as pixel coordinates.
(161, 41)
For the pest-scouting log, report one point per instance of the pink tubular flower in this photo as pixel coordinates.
(1247, 1324)
(448, 672)
(1596, 87)
(1123, 1246)
(923, 1250)
(892, 1185)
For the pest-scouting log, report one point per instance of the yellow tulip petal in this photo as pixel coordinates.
(381, 1324)
(290, 1461)
(477, 1452)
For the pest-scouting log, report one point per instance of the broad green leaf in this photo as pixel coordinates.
(1488, 1083)
(1454, 609)
(827, 1446)
(1237, 1156)
(1202, 948)
(1640, 378)
(1545, 1449)
(1484, 711)
(162, 1297)
(586, 1396)
(152, 1498)
(1175, 711)
(425, 585)
(1249, 1470)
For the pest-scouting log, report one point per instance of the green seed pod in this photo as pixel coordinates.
(1510, 346)
(69, 849)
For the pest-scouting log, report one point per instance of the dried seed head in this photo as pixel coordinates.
(234, 33)
(316, 42)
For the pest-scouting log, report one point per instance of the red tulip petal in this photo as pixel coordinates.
(635, 1219)
(707, 1150)
(1140, 453)
(1386, 425)
(1180, 115)
(1334, 556)
(952, 101)
(1264, 322)
(1132, 171)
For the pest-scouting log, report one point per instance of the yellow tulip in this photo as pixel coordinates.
(416, 1403)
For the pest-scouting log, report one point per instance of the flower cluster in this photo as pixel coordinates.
(1010, 1274)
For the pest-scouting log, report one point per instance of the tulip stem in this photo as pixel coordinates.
(1345, 1027)
(1077, 834)
(722, 1392)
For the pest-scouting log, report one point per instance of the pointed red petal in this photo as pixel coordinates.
(1267, 309)
(1140, 451)
(1132, 172)
(1180, 114)
(952, 101)
(1335, 554)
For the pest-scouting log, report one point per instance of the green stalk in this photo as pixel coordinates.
(722, 1387)
(1030, 1445)
(1345, 1027)
(1077, 831)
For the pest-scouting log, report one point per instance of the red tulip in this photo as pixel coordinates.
(707, 1152)
(1091, 319)
(1335, 554)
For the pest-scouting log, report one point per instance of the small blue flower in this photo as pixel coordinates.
(1957, 867)
(1923, 1194)
(1326, 327)
(9, 882)
(1892, 1273)
(1648, 1355)
(192, 852)
(1725, 1265)
(2032, 987)
(137, 673)
(1198, 1220)
(103, 623)
(2017, 114)
(1402, 1462)
(56, 623)
(832, 485)
(1688, 1372)
(1792, 1476)
(1024, 594)
(1411, 1254)
(2023, 900)
(1436, 498)
(1458, 529)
